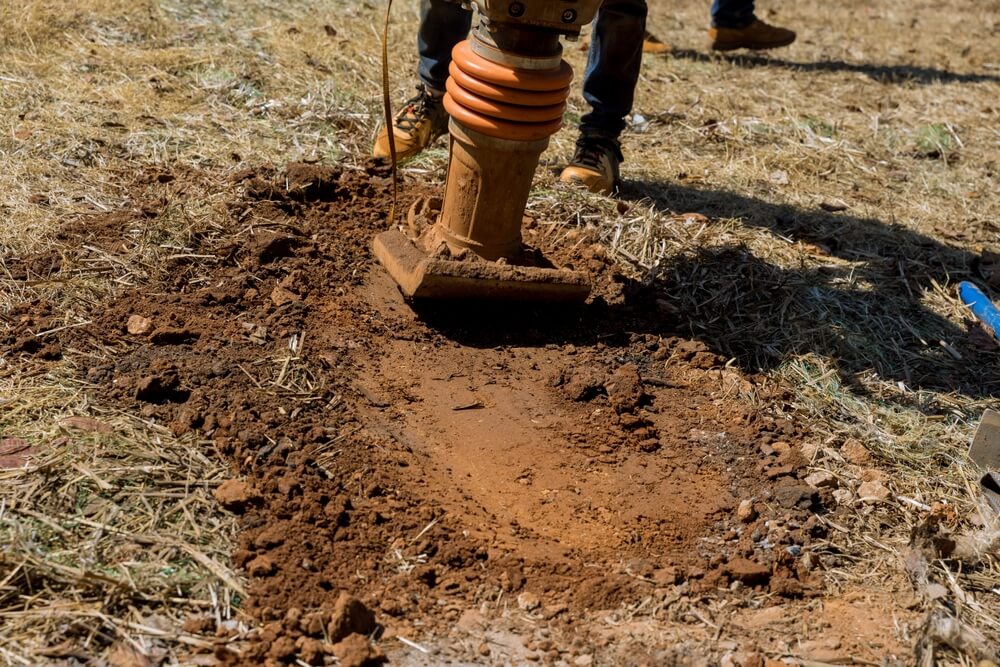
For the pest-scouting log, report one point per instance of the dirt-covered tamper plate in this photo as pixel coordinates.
(506, 95)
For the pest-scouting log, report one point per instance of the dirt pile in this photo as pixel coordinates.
(403, 468)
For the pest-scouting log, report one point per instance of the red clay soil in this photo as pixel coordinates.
(403, 466)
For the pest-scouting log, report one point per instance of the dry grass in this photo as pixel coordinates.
(889, 111)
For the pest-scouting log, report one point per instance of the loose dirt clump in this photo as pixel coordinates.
(406, 465)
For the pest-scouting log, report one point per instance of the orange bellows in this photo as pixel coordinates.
(505, 102)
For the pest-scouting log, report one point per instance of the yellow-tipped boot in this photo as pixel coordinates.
(417, 125)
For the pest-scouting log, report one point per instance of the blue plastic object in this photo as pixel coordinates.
(981, 307)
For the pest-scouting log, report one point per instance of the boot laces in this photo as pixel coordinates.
(417, 109)
(590, 150)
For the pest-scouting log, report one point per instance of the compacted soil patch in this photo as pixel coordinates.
(418, 471)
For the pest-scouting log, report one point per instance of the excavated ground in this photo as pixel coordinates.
(450, 465)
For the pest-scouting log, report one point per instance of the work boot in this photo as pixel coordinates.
(757, 35)
(415, 127)
(595, 164)
(652, 44)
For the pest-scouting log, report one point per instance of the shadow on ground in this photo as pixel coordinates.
(881, 73)
(864, 316)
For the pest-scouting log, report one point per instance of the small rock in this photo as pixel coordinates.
(528, 601)
(843, 496)
(810, 450)
(313, 624)
(236, 496)
(798, 496)
(173, 336)
(584, 383)
(138, 325)
(356, 651)
(584, 660)
(310, 650)
(747, 571)
(280, 296)
(775, 472)
(873, 492)
(781, 447)
(786, 587)
(282, 649)
(625, 390)
(261, 566)
(854, 452)
(350, 615)
(821, 479)
(551, 611)
(746, 511)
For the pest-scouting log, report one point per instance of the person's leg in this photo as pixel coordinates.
(609, 87)
(732, 13)
(442, 26)
(613, 65)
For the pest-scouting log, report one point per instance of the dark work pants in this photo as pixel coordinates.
(612, 64)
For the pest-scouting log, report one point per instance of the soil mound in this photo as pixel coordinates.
(403, 466)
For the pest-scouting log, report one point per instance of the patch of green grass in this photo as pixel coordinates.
(819, 127)
(933, 140)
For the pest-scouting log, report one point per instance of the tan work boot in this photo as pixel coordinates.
(652, 44)
(757, 35)
(594, 165)
(415, 127)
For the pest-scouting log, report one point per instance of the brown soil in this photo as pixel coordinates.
(432, 462)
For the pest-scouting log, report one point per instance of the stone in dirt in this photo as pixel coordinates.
(261, 566)
(138, 325)
(173, 336)
(528, 601)
(356, 651)
(625, 389)
(786, 587)
(873, 492)
(843, 496)
(163, 388)
(584, 383)
(854, 452)
(821, 479)
(280, 296)
(809, 450)
(310, 651)
(796, 496)
(745, 512)
(350, 615)
(282, 649)
(236, 496)
(747, 571)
